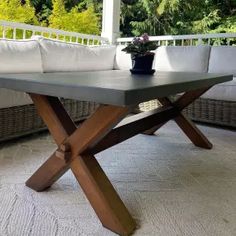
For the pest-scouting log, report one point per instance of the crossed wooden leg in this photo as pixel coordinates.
(188, 127)
(72, 142)
(77, 147)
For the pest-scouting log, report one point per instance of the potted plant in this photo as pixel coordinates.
(141, 54)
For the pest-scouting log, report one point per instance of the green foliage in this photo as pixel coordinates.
(228, 25)
(74, 20)
(151, 22)
(206, 23)
(44, 8)
(158, 17)
(14, 10)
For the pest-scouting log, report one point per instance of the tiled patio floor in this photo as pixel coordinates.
(169, 186)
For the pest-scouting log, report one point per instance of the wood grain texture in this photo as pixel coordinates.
(47, 174)
(60, 126)
(192, 132)
(54, 116)
(102, 196)
(71, 143)
(188, 127)
(105, 128)
(132, 126)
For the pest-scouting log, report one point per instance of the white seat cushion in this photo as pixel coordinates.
(182, 58)
(223, 60)
(59, 56)
(20, 56)
(225, 91)
(122, 60)
(11, 98)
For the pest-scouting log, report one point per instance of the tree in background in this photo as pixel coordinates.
(43, 9)
(85, 21)
(15, 10)
(158, 17)
(18, 11)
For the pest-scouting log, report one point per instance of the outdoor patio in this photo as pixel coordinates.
(172, 182)
(170, 186)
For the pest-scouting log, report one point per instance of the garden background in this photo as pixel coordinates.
(156, 17)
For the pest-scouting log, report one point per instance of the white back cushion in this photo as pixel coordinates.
(182, 58)
(20, 56)
(123, 60)
(59, 56)
(223, 60)
(98, 58)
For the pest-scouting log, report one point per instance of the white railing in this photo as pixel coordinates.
(197, 39)
(13, 30)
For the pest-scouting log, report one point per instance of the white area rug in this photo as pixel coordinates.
(169, 186)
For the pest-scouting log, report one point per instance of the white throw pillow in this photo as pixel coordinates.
(182, 58)
(20, 56)
(223, 60)
(122, 60)
(59, 56)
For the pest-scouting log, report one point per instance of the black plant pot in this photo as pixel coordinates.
(142, 64)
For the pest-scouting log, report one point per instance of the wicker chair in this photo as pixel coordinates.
(22, 120)
(210, 111)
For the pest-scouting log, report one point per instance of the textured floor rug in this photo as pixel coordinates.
(169, 186)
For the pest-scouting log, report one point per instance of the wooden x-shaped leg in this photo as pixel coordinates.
(188, 127)
(72, 142)
(77, 147)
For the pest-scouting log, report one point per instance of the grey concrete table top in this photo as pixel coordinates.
(110, 87)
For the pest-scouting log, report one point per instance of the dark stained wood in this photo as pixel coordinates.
(153, 129)
(54, 116)
(60, 126)
(48, 173)
(192, 132)
(134, 125)
(102, 196)
(187, 98)
(105, 128)
(71, 143)
(95, 128)
(188, 127)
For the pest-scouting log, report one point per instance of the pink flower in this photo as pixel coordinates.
(137, 40)
(145, 37)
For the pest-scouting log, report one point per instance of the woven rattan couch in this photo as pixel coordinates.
(18, 115)
(21, 120)
(218, 105)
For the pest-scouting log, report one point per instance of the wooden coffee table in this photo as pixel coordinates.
(117, 92)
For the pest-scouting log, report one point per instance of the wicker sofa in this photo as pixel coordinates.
(18, 115)
(218, 105)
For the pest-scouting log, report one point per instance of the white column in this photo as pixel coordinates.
(111, 20)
